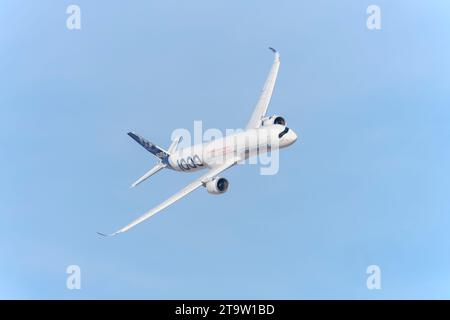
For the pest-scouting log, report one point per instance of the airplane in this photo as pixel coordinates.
(262, 134)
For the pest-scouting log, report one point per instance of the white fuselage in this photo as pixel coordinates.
(243, 144)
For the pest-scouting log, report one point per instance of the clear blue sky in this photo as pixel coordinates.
(370, 184)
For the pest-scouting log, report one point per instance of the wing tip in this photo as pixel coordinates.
(134, 184)
(106, 235)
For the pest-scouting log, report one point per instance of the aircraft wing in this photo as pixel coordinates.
(211, 174)
(266, 94)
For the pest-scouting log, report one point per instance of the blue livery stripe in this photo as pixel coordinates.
(150, 147)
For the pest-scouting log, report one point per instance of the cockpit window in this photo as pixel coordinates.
(282, 133)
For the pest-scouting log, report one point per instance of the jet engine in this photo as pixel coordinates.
(275, 119)
(217, 185)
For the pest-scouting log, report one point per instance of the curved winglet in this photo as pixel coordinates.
(277, 54)
(107, 235)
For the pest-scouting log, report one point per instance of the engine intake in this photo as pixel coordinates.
(275, 119)
(217, 185)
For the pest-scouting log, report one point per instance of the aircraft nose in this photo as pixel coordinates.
(294, 136)
(291, 137)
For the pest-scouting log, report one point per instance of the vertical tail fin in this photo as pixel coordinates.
(150, 147)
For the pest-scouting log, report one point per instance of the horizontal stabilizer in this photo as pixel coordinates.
(151, 172)
(174, 145)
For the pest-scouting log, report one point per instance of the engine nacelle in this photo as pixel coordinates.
(275, 119)
(217, 185)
